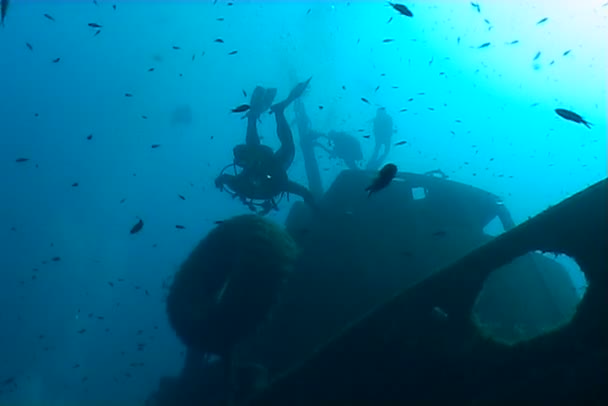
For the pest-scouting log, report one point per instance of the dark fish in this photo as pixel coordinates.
(114, 7)
(75, 184)
(97, 33)
(218, 222)
(220, 19)
(542, 20)
(536, 56)
(218, 40)
(320, 107)
(3, 10)
(150, 69)
(176, 47)
(56, 259)
(384, 178)
(514, 42)
(82, 331)
(484, 45)
(179, 227)
(182, 197)
(308, 11)
(400, 143)
(388, 40)
(128, 94)
(95, 25)
(232, 53)
(50, 17)
(56, 60)
(567, 52)
(241, 108)
(363, 99)
(155, 145)
(572, 116)
(476, 7)
(401, 9)
(137, 227)
(144, 117)
(244, 93)
(29, 46)
(22, 159)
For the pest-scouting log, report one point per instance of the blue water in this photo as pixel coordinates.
(486, 118)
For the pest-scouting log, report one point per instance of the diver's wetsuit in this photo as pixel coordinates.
(264, 172)
(383, 131)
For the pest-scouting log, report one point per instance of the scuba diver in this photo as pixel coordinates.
(343, 146)
(263, 176)
(383, 131)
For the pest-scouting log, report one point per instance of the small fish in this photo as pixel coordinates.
(82, 331)
(389, 20)
(56, 259)
(218, 40)
(22, 160)
(244, 93)
(536, 56)
(484, 45)
(219, 19)
(29, 46)
(542, 20)
(401, 9)
(50, 17)
(137, 227)
(182, 197)
(3, 10)
(176, 47)
(232, 53)
(384, 178)
(150, 69)
(567, 52)
(388, 40)
(321, 107)
(308, 11)
(476, 7)
(218, 222)
(241, 108)
(95, 25)
(155, 145)
(400, 143)
(75, 184)
(56, 60)
(179, 227)
(364, 100)
(97, 33)
(114, 7)
(572, 116)
(514, 42)
(439, 234)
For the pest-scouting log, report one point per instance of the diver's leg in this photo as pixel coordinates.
(373, 161)
(252, 137)
(387, 150)
(286, 153)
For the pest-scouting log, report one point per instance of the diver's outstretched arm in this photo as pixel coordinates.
(303, 192)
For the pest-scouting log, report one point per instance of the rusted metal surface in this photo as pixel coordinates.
(407, 350)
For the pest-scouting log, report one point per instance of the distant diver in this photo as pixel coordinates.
(383, 131)
(263, 173)
(343, 146)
